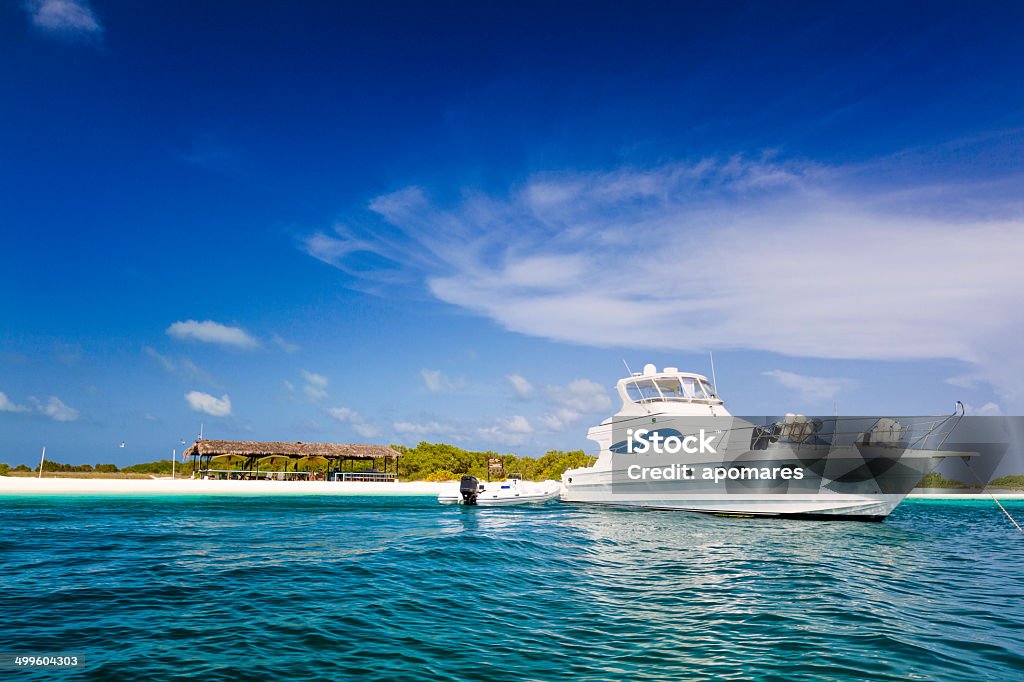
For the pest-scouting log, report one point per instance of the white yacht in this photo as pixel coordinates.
(674, 445)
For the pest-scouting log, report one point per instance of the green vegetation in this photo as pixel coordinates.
(50, 466)
(1015, 481)
(936, 480)
(425, 462)
(161, 467)
(441, 462)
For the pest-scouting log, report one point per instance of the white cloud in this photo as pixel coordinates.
(430, 428)
(204, 402)
(522, 387)
(315, 387)
(209, 331)
(313, 393)
(55, 409)
(285, 345)
(581, 395)
(355, 420)
(436, 381)
(289, 386)
(963, 381)
(559, 419)
(68, 18)
(986, 410)
(507, 430)
(792, 258)
(516, 424)
(6, 405)
(318, 380)
(814, 390)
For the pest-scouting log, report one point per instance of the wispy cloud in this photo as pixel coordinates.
(986, 410)
(430, 428)
(523, 388)
(70, 19)
(315, 387)
(285, 345)
(573, 401)
(963, 381)
(507, 431)
(209, 331)
(7, 405)
(55, 409)
(356, 421)
(788, 257)
(436, 381)
(208, 404)
(559, 419)
(180, 367)
(814, 390)
(581, 395)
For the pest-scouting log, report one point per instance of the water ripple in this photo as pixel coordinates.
(398, 588)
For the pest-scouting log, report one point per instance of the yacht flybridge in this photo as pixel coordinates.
(674, 445)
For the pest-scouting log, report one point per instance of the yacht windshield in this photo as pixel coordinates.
(643, 389)
(671, 389)
(668, 389)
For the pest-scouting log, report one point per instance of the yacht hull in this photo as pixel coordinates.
(837, 507)
(869, 492)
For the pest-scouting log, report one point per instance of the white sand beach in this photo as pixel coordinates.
(16, 485)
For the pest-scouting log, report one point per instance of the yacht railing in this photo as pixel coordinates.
(908, 433)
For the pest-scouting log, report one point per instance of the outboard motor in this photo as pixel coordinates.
(469, 487)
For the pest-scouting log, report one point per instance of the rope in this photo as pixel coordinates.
(984, 487)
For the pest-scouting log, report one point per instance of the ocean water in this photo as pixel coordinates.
(381, 588)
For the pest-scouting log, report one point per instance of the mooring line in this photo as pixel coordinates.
(984, 488)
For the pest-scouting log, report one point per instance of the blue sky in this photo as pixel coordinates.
(452, 221)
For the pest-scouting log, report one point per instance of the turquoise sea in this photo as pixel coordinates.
(391, 588)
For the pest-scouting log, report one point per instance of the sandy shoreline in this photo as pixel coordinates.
(14, 485)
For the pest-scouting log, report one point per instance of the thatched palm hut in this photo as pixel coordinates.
(253, 451)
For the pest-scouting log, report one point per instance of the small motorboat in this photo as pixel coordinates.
(472, 491)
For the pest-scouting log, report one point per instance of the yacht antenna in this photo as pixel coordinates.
(636, 385)
(714, 381)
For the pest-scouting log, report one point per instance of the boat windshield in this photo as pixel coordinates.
(643, 389)
(668, 389)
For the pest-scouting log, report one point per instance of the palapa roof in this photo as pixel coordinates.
(252, 448)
